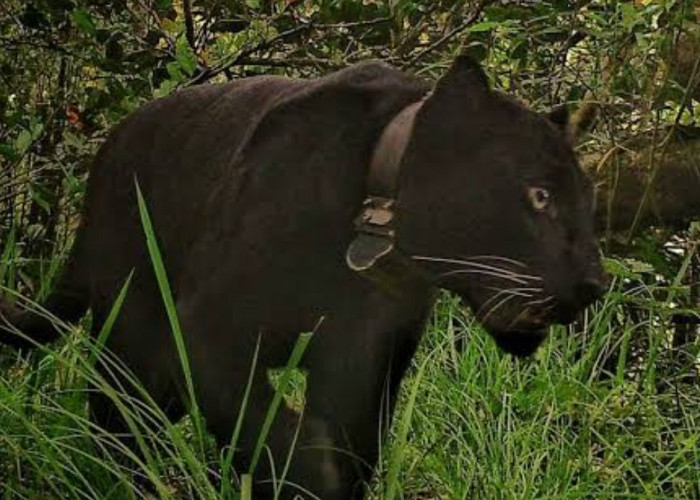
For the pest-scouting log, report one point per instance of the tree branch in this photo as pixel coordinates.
(645, 187)
(189, 24)
(291, 62)
(452, 33)
(210, 73)
(13, 43)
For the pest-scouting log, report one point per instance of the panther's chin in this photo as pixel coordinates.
(520, 343)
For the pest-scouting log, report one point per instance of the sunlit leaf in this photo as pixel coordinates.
(84, 21)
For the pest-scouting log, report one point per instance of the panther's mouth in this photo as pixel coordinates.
(517, 332)
(519, 343)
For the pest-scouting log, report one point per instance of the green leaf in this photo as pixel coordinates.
(639, 267)
(631, 16)
(8, 152)
(163, 5)
(185, 56)
(483, 26)
(627, 268)
(170, 26)
(292, 363)
(26, 137)
(36, 129)
(23, 141)
(72, 140)
(165, 88)
(174, 72)
(84, 21)
(39, 198)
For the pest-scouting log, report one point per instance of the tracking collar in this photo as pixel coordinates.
(373, 252)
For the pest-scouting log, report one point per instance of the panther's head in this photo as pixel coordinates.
(493, 204)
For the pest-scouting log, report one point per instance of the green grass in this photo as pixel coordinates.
(603, 410)
(572, 422)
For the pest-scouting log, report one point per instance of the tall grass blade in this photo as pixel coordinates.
(167, 295)
(109, 322)
(397, 453)
(228, 458)
(246, 487)
(6, 256)
(97, 345)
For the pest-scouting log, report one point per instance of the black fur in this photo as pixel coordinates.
(253, 187)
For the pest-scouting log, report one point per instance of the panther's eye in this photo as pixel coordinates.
(539, 197)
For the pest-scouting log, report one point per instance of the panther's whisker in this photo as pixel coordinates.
(515, 320)
(494, 272)
(489, 271)
(498, 257)
(484, 273)
(547, 309)
(495, 296)
(522, 279)
(472, 260)
(494, 308)
(527, 309)
(540, 302)
(477, 265)
(519, 290)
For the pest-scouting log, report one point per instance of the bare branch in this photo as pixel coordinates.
(452, 33)
(634, 190)
(356, 24)
(12, 43)
(189, 24)
(291, 62)
(210, 73)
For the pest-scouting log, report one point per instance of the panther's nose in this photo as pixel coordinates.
(584, 293)
(590, 289)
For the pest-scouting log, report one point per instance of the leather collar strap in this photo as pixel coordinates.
(384, 169)
(373, 252)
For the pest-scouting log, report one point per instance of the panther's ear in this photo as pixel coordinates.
(559, 116)
(465, 80)
(577, 124)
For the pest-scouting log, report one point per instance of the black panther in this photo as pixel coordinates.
(341, 204)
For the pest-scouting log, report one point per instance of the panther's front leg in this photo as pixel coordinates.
(356, 363)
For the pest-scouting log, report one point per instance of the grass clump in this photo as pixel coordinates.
(590, 415)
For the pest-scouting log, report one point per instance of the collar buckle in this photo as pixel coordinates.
(377, 217)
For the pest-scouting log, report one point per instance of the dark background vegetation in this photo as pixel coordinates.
(71, 69)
